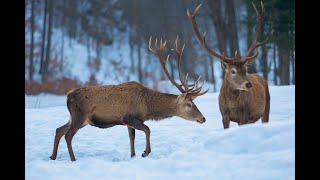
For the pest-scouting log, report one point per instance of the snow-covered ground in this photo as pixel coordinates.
(180, 149)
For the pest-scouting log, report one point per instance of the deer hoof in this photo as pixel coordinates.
(133, 155)
(145, 154)
(52, 158)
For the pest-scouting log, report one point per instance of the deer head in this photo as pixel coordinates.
(185, 106)
(235, 68)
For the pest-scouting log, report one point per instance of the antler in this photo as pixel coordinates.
(192, 17)
(188, 89)
(254, 44)
(246, 58)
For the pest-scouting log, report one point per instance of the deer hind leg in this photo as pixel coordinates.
(61, 131)
(138, 124)
(75, 126)
(132, 137)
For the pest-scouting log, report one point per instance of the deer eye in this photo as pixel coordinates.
(189, 104)
(233, 71)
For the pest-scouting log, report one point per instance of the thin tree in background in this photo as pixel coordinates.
(212, 74)
(275, 69)
(62, 36)
(232, 28)
(138, 38)
(220, 26)
(131, 45)
(292, 52)
(32, 41)
(264, 65)
(48, 49)
(250, 26)
(44, 32)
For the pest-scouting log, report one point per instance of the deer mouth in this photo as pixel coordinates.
(200, 122)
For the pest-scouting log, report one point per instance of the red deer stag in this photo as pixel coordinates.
(244, 98)
(129, 104)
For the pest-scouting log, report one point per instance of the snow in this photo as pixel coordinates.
(180, 149)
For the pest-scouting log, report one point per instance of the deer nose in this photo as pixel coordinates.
(249, 84)
(203, 119)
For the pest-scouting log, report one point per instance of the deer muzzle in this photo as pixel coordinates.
(201, 120)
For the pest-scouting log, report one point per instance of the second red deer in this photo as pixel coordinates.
(129, 104)
(244, 98)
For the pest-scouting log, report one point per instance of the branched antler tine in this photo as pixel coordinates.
(167, 58)
(194, 84)
(254, 44)
(249, 58)
(182, 49)
(186, 79)
(196, 91)
(164, 44)
(204, 38)
(150, 48)
(155, 43)
(200, 94)
(266, 40)
(262, 7)
(255, 8)
(185, 83)
(179, 56)
(192, 17)
(197, 8)
(158, 51)
(200, 87)
(175, 46)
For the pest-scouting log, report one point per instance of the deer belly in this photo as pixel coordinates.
(104, 122)
(251, 113)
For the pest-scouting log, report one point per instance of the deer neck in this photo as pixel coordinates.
(162, 106)
(228, 91)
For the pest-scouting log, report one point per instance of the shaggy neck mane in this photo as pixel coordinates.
(161, 106)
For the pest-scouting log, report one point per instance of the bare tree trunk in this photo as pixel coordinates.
(43, 37)
(293, 66)
(48, 50)
(61, 51)
(275, 69)
(219, 24)
(132, 69)
(98, 59)
(284, 65)
(88, 49)
(292, 54)
(264, 63)
(32, 43)
(140, 75)
(138, 36)
(206, 68)
(212, 73)
(232, 28)
(25, 7)
(62, 40)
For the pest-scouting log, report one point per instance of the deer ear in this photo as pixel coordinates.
(193, 97)
(224, 65)
(182, 97)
